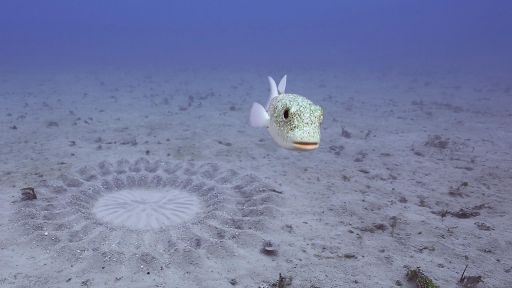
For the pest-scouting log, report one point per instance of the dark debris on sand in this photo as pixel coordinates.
(282, 282)
(28, 193)
(469, 281)
(420, 279)
(437, 141)
(269, 249)
(462, 213)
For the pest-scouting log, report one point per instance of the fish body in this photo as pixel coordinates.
(292, 120)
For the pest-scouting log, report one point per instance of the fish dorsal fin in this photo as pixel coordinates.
(259, 117)
(273, 90)
(282, 85)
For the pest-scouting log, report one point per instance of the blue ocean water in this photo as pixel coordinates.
(454, 33)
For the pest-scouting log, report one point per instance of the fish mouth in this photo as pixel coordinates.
(305, 145)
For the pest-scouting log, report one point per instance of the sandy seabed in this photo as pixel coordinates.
(155, 179)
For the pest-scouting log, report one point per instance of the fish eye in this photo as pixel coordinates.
(286, 113)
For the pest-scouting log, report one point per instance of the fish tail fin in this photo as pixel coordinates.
(259, 116)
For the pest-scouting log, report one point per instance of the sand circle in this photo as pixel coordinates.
(146, 209)
(151, 214)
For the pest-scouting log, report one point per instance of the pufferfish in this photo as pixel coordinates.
(292, 120)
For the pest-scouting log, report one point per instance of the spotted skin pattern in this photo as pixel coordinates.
(302, 123)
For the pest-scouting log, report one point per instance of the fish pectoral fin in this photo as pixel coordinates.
(282, 85)
(259, 116)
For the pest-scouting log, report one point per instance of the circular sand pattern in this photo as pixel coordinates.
(150, 215)
(146, 209)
